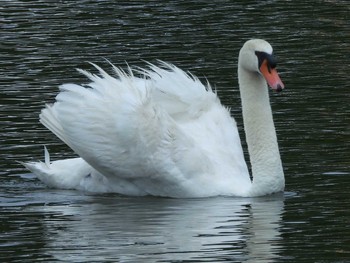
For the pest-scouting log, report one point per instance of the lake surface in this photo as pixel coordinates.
(42, 42)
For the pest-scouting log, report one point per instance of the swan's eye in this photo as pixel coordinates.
(271, 60)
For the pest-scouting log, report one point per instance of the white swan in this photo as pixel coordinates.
(165, 133)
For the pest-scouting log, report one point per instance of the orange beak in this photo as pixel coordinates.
(271, 76)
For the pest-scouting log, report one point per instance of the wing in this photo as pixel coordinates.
(157, 131)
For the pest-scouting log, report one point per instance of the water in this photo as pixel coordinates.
(42, 43)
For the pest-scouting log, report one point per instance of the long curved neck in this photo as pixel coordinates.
(260, 133)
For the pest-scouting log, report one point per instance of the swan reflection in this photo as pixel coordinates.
(153, 229)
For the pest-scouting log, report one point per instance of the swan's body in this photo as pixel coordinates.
(166, 134)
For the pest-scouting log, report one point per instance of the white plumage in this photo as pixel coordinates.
(162, 134)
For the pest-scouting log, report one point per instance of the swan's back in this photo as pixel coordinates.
(163, 132)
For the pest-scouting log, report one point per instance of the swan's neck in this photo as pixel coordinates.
(260, 134)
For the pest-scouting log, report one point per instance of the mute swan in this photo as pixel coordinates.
(165, 133)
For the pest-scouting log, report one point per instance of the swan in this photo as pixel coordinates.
(159, 131)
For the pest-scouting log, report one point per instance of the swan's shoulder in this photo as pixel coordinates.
(182, 95)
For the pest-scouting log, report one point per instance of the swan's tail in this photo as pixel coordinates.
(75, 173)
(41, 169)
(72, 173)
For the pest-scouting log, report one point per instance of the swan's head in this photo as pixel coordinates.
(256, 55)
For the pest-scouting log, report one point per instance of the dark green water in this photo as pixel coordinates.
(42, 42)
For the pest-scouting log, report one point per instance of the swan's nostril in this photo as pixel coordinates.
(279, 88)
